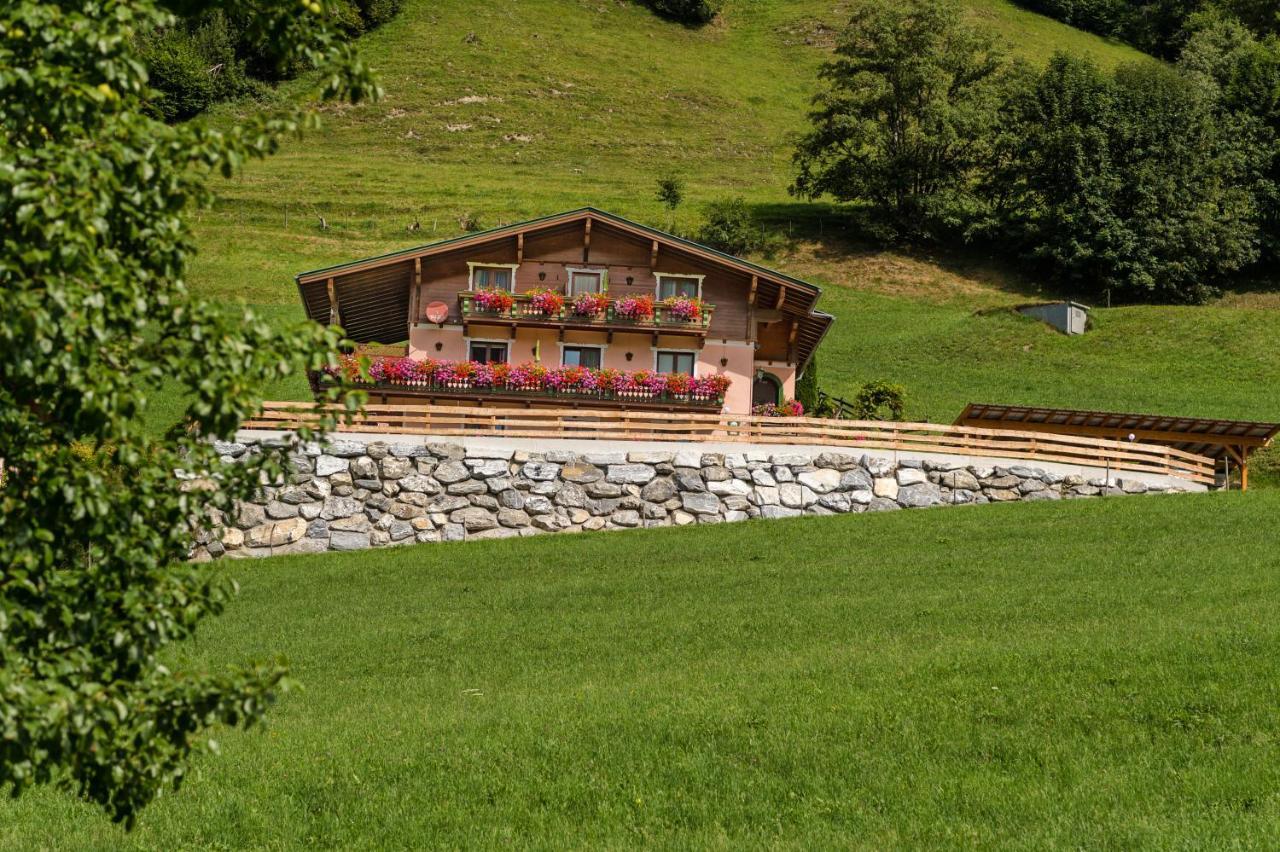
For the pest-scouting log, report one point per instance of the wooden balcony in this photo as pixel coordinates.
(523, 314)
(460, 393)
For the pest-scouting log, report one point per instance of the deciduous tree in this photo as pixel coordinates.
(905, 119)
(94, 525)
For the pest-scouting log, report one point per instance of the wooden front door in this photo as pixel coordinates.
(764, 391)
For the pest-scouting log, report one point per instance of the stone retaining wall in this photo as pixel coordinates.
(350, 495)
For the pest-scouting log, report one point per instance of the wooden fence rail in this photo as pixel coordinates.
(549, 423)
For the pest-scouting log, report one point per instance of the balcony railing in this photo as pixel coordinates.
(524, 310)
(528, 381)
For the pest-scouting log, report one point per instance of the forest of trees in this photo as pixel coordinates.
(1159, 27)
(209, 56)
(1156, 181)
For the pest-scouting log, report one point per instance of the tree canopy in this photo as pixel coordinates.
(1152, 181)
(904, 119)
(96, 514)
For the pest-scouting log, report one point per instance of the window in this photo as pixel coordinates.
(581, 356)
(495, 277)
(676, 362)
(674, 285)
(488, 353)
(584, 281)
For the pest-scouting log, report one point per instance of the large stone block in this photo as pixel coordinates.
(630, 473)
(699, 503)
(513, 518)
(451, 471)
(348, 540)
(730, 486)
(838, 461)
(885, 487)
(820, 481)
(689, 480)
(484, 468)
(760, 476)
(919, 494)
(279, 511)
(911, 476)
(581, 472)
(716, 473)
(355, 523)
(658, 490)
(687, 458)
(540, 471)
(363, 467)
(959, 480)
(249, 516)
(340, 507)
(474, 519)
(537, 504)
(395, 468)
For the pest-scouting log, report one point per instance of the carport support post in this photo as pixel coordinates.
(1241, 456)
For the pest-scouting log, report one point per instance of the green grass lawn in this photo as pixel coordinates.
(1101, 674)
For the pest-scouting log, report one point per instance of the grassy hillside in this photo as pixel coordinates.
(515, 109)
(1030, 676)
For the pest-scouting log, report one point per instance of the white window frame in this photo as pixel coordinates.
(657, 283)
(488, 341)
(657, 350)
(597, 346)
(603, 272)
(473, 265)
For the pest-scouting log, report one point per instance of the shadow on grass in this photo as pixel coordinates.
(848, 234)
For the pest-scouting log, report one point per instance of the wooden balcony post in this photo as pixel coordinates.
(335, 315)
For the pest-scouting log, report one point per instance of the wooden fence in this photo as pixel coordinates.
(549, 423)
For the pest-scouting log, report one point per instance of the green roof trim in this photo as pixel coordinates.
(603, 215)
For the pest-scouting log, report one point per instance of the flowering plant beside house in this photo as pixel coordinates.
(790, 408)
(683, 308)
(533, 377)
(634, 308)
(496, 301)
(546, 302)
(590, 304)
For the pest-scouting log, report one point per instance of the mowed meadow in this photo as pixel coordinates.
(1097, 674)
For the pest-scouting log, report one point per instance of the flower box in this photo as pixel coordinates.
(530, 378)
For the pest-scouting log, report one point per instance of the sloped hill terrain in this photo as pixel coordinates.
(503, 111)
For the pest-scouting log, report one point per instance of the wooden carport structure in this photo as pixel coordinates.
(1225, 440)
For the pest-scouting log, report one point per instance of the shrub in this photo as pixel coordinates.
(192, 66)
(732, 228)
(690, 12)
(207, 57)
(874, 399)
(807, 387)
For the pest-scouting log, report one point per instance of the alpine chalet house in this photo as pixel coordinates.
(582, 309)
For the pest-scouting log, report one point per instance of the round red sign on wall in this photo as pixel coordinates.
(437, 312)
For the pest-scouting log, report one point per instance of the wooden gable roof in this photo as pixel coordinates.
(372, 294)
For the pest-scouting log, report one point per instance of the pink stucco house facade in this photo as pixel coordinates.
(581, 289)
